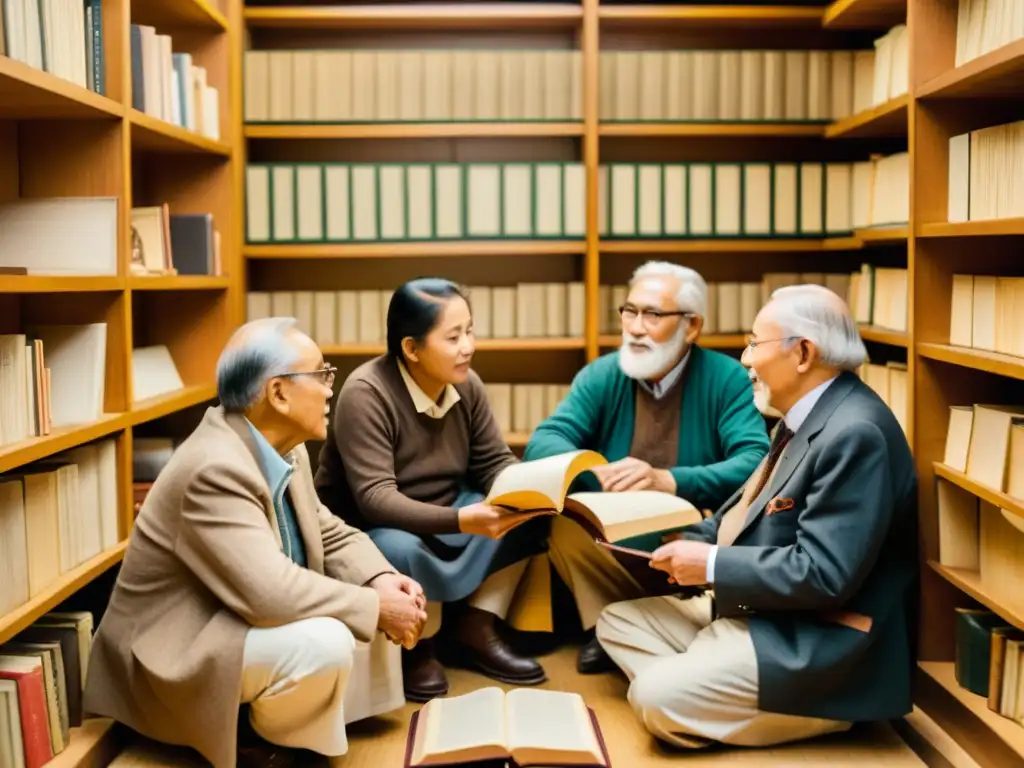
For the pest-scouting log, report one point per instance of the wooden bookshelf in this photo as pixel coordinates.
(864, 14)
(888, 119)
(62, 140)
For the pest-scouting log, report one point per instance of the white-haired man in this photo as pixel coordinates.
(238, 586)
(813, 564)
(667, 414)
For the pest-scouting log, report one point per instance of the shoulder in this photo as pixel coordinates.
(602, 372)
(367, 382)
(211, 463)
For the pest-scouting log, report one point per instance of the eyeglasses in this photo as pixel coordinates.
(752, 342)
(325, 374)
(649, 317)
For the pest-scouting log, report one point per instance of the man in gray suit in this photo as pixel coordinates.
(811, 567)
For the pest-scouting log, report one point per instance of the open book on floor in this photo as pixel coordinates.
(526, 727)
(543, 484)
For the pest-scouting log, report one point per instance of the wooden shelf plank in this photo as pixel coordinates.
(154, 135)
(708, 340)
(416, 250)
(728, 16)
(1008, 603)
(976, 359)
(713, 245)
(884, 336)
(482, 345)
(982, 491)
(60, 283)
(1009, 731)
(26, 92)
(13, 622)
(984, 228)
(178, 282)
(713, 129)
(92, 744)
(16, 455)
(419, 16)
(995, 74)
(300, 131)
(882, 235)
(178, 13)
(162, 405)
(865, 14)
(885, 120)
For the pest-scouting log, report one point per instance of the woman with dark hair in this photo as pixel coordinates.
(411, 452)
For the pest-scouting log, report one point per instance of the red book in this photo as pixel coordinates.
(27, 673)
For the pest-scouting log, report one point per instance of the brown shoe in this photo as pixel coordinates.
(422, 674)
(477, 645)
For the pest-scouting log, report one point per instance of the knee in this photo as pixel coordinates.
(612, 622)
(327, 644)
(398, 547)
(651, 692)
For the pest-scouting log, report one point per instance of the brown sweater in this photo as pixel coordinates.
(385, 465)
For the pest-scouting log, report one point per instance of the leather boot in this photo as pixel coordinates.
(423, 676)
(593, 659)
(479, 647)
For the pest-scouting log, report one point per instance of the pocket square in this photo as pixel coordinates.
(779, 504)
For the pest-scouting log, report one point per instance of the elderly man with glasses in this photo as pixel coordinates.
(238, 587)
(667, 414)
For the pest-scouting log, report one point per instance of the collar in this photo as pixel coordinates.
(659, 388)
(276, 469)
(798, 414)
(422, 402)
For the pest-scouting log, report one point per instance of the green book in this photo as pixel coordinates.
(973, 648)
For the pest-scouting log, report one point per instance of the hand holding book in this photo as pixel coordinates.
(492, 521)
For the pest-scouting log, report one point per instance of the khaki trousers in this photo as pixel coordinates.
(694, 681)
(307, 680)
(591, 573)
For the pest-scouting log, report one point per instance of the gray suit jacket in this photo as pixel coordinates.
(826, 566)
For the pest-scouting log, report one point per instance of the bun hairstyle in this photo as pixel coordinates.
(416, 307)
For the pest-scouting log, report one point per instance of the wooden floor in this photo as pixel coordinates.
(381, 741)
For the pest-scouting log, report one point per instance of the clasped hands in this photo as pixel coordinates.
(403, 605)
(631, 474)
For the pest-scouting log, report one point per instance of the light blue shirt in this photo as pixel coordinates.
(659, 388)
(793, 420)
(278, 472)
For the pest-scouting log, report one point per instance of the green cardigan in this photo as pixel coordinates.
(722, 435)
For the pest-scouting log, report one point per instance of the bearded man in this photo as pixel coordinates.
(667, 414)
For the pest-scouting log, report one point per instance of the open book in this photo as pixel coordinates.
(525, 726)
(543, 484)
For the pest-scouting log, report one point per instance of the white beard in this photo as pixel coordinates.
(657, 359)
(763, 397)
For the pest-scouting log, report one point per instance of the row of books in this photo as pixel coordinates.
(739, 85)
(25, 385)
(62, 38)
(42, 681)
(986, 443)
(891, 383)
(987, 312)
(522, 407)
(340, 86)
(173, 244)
(985, 25)
(55, 514)
(374, 202)
(169, 86)
(879, 296)
(989, 661)
(891, 65)
(985, 172)
(526, 310)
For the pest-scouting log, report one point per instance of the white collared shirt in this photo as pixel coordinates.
(794, 419)
(660, 387)
(422, 402)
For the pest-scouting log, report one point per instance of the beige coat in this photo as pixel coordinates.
(204, 564)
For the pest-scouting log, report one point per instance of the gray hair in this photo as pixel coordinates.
(693, 291)
(257, 351)
(815, 313)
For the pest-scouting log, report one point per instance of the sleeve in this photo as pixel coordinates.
(224, 539)
(839, 532)
(366, 438)
(744, 443)
(488, 451)
(575, 422)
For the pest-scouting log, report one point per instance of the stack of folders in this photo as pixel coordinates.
(344, 202)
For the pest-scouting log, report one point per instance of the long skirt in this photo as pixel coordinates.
(451, 566)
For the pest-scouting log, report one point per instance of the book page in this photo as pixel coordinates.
(632, 513)
(551, 727)
(541, 484)
(461, 729)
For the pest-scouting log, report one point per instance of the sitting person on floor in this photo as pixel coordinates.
(411, 453)
(812, 565)
(237, 586)
(667, 414)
